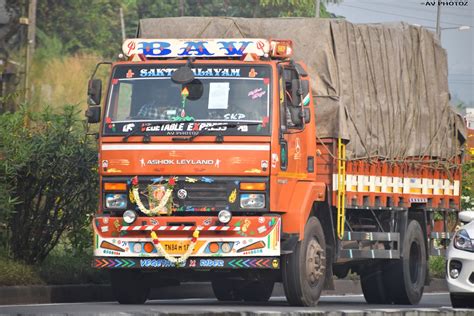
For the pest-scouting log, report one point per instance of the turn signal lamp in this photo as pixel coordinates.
(112, 186)
(281, 48)
(258, 186)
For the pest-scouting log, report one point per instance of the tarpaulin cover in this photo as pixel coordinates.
(382, 87)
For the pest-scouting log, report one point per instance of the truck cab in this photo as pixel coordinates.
(207, 170)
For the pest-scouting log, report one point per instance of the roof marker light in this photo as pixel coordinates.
(281, 48)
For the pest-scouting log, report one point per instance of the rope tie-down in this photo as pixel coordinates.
(175, 260)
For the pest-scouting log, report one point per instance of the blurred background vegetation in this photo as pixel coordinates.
(45, 236)
(43, 139)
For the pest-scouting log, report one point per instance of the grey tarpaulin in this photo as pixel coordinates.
(383, 87)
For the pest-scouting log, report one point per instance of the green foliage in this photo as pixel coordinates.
(64, 267)
(467, 194)
(51, 47)
(94, 26)
(49, 169)
(15, 273)
(437, 267)
(88, 26)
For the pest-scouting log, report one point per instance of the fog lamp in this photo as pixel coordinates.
(129, 216)
(224, 216)
(454, 273)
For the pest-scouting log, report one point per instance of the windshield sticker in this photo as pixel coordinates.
(234, 116)
(266, 81)
(252, 73)
(115, 81)
(198, 72)
(256, 93)
(218, 95)
(129, 73)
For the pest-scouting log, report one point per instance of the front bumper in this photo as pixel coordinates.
(245, 242)
(464, 283)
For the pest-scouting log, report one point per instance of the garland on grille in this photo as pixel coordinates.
(166, 200)
(175, 260)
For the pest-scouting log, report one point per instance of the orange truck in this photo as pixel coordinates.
(218, 163)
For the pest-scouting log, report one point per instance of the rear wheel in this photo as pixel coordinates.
(304, 270)
(257, 291)
(227, 289)
(405, 277)
(372, 284)
(129, 286)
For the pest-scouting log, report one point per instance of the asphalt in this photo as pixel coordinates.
(10, 295)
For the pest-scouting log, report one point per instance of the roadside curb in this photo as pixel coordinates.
(10, 295)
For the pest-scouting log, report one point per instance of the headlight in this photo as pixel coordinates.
(252, 200)
(462, 241)
(116, 201)
(129, 216)
(224, 216)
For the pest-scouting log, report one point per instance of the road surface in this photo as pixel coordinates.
(200, 306)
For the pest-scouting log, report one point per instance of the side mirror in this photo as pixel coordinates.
(299, 90)
(295, 92)
(299, 115)
(306, 115)
(93, 114)
(94, 91)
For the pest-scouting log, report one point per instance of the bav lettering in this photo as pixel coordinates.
(198, 72)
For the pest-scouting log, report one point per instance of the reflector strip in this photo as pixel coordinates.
(178, 228)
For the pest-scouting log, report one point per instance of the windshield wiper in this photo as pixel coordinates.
(208, 127)
(146, 137)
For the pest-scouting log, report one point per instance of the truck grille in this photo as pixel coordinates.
(199, 194)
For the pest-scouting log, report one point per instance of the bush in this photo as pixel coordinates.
(14, 273)
(437, 267)
(61, 267)
(49, 179)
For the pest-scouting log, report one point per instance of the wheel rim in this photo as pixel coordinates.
(314, 262)
(414, 262)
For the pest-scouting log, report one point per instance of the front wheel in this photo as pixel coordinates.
(304, 270)
(227, 289)
(257, 291)
(129, 286)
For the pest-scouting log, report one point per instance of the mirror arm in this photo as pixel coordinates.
(97, 67)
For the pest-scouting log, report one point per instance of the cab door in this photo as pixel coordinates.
(297, 138)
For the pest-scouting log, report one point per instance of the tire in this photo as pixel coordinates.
(405, 277)
(462, 301)
(304, 270)
(257, 291)
(372, 284)
(129, 286)
(227, 289)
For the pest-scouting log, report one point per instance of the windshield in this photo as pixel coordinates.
(141, 95)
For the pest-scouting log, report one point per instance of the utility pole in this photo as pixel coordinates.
(438, 22)
(122, 24)
(316, 12)
(181, 7)
(30, 43)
